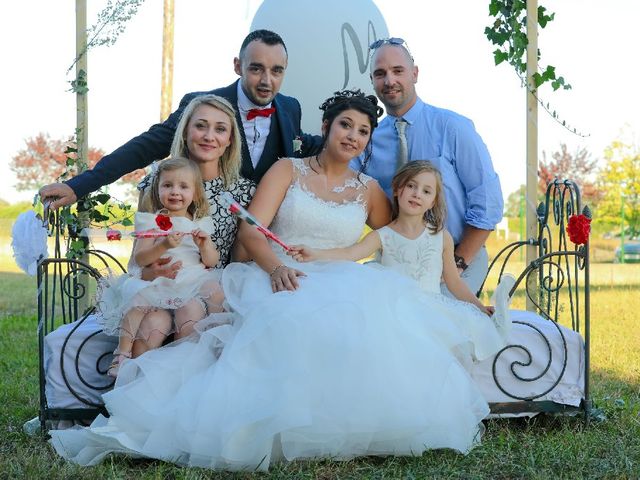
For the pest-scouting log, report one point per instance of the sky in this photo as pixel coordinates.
(591, 44)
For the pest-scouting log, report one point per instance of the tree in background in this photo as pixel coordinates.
(579, 167)
(515, 202)
(44, 160)
(620, 184)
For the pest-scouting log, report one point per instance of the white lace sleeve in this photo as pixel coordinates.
(300, 168)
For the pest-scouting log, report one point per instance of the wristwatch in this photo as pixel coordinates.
(460, 263)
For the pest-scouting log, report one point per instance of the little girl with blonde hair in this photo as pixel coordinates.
(180, 208)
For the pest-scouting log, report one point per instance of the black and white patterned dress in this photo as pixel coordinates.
(226, 224)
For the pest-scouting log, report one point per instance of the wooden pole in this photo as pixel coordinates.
(82, 127)
(166, 87)
(82, 110)
(532, 139)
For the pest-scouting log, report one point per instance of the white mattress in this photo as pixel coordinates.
(57, 392)
(569, 390)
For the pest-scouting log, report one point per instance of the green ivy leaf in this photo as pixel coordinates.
(76, 248)
(537, 79)
(542, 18)
(494, 8)
(102, 198)
(98, 217)
(549, 73)
(518, 5)
(499, 56)
(520, 41)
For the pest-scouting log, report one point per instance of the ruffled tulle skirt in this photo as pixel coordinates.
(118, 295)
(350, 364)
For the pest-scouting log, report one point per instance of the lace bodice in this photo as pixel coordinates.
(319, 215)
(420, 259)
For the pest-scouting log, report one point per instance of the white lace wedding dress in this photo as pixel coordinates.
(347, 365)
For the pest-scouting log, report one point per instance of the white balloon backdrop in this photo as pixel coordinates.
(328, 45)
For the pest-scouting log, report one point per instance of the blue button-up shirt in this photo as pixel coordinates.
(450, 141)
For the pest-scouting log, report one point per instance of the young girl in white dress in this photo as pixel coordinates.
(177, 193)
(417, 245)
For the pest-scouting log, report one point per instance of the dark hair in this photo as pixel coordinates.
(436, 216)
(265, 36)
(352, 100)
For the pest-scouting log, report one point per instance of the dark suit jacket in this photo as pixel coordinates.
(155, 144)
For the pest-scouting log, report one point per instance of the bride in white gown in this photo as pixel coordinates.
(341, 361)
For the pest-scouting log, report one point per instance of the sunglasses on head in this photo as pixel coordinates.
(391, 41)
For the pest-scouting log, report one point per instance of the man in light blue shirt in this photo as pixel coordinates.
(450, 141)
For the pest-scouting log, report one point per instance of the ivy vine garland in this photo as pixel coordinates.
(509, 32)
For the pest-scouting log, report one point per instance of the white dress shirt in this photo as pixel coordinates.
(256, 130)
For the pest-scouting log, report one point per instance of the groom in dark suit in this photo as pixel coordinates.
(269, 123)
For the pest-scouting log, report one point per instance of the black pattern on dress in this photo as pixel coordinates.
(226, 224)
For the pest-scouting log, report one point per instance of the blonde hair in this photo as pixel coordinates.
(230, 162)
(436, 215)
(199, 207)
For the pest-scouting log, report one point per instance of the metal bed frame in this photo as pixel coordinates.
(556, 282)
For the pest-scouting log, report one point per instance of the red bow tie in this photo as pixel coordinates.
(260, 112)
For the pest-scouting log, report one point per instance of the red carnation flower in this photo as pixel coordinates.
(164, 222)
(113, 235)
(578, 228)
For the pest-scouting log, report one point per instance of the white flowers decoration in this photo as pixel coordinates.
(29, 241)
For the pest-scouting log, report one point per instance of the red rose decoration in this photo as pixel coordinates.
(113, 235)
(164, 222)
(233, 208)
(578, 228)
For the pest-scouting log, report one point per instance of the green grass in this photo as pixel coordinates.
(541, 448)
(18, 295)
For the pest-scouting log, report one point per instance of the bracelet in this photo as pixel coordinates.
(460, 263)
(275, 269)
